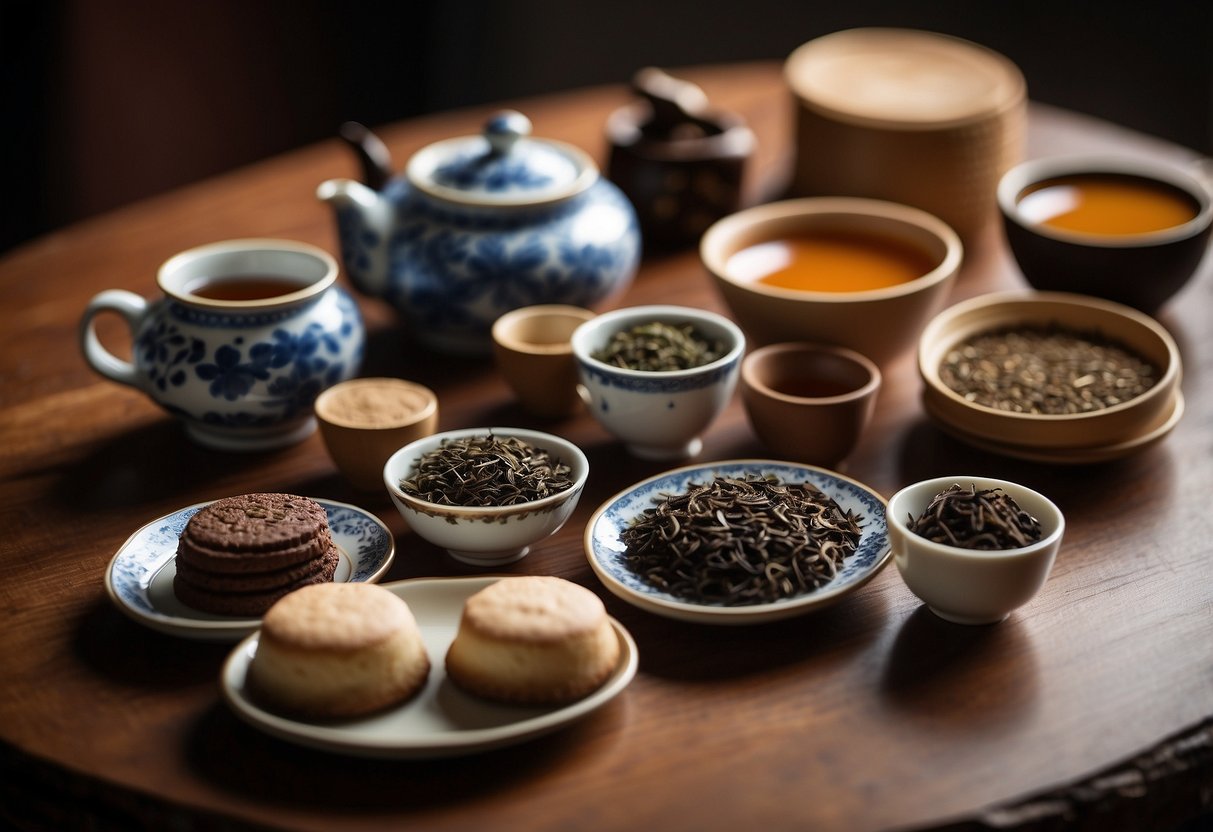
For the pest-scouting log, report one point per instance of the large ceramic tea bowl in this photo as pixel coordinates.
(881, 324)
(968, 586)
(1142, 270)
(1061, 433)
(657, 414)
(487, 536)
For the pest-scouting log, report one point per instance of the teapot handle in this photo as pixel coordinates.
(132, 308)
(372, 153)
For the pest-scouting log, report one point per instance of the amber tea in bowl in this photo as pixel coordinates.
(1124, 229)
(856, 273)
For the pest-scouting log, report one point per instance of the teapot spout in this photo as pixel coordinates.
(364, 219)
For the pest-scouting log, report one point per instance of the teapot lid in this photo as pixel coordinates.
(503, 166)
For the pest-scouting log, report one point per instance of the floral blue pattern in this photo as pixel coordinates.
(656, 382)
(452, 270)
(274, 378)
(606, 550)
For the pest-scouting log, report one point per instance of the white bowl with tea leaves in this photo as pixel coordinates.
(657, 376)
(486, 494)
(973, 548)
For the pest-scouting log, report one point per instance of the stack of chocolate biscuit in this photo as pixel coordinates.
(239, 555)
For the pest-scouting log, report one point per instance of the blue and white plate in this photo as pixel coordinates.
(605, 549)
(139, 579)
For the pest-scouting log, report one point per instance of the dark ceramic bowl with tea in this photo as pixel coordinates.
(1128, 230)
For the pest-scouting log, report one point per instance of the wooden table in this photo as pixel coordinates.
(1092, 705)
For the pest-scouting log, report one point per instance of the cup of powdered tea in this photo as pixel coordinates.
(973, 548)
(365, 420)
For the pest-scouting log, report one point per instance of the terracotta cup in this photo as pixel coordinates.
(809, 402)
(366, 420)
(533, 350)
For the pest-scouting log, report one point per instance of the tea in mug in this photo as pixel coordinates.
(831, 262)
(1107, 203)
(244, 287)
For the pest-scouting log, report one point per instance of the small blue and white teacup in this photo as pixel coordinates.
(657, 414)
(248, 333)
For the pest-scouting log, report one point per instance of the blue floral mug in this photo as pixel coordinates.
(247, 335)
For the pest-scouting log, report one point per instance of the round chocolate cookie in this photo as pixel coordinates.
(256, 522)
(244, 561)
(251, 604)
(251, 581)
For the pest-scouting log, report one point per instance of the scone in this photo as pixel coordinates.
(533, 641)
(239, 555)
(331, 651)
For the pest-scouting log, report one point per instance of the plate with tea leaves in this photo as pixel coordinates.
(739, 541)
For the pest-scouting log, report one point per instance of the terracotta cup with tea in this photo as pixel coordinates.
(1128, 230)
(809, 402)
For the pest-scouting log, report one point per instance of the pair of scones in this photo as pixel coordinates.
(345, 650)
(239, 555)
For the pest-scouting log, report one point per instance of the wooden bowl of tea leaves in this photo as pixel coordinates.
(1048, 371)
(488, 494)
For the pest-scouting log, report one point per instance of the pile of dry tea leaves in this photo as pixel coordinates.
(989, 519)
(486, 471)
(1048, 370)
(659, 347)
(741, 541)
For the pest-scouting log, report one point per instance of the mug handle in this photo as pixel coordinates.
(132, 308)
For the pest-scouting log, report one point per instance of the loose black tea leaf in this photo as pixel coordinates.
(486, 471)
(741, 541)
(1046, 370)
(989, 519)
(659, 347)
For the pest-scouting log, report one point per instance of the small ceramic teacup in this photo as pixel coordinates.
(969, 586)
(809, 402)
(365, 420)
(248, 333)
(534, 352)
(658, 414)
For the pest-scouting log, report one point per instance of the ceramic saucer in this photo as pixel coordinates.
(139, 578)
(606, 551)
(441, 720)
(1152, 434)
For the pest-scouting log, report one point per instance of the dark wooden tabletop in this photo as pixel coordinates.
(1092, 705)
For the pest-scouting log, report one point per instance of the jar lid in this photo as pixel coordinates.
(903, 78)
(503, 166)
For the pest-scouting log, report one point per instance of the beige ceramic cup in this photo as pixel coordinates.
(809, 402)
(366, 420)
(533, 350)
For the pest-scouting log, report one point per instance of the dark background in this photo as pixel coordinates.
(108, 101)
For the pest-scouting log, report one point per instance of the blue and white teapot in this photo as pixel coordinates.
(481, 225)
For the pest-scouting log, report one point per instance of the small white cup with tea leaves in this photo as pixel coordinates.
(972, 586)
(246, 336)
(659, 414)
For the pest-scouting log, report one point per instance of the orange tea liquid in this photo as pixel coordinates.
(830, 262)
(1107, 204)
